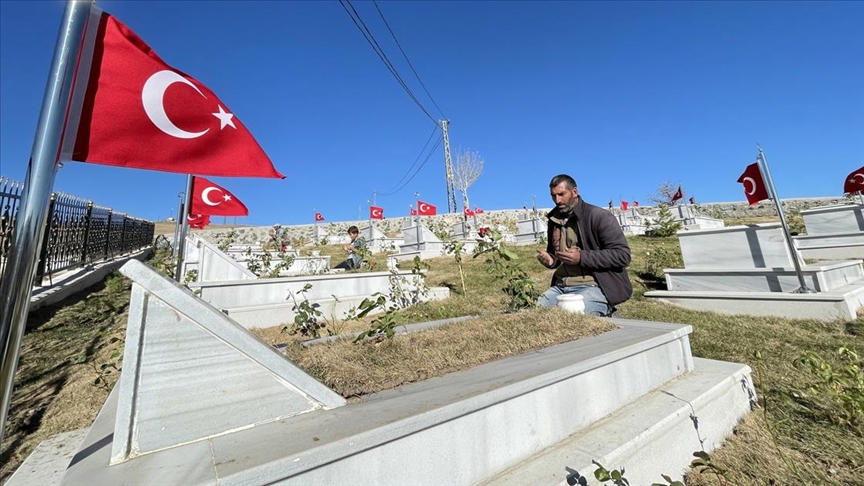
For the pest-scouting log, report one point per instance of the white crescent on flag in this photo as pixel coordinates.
(376, 213)
(855, 181)
(153, 98)
(752, 182)
(193, 217)
(206, 192)
(424, 207)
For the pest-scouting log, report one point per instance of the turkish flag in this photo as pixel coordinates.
(413, 212)
(635, 204)
(754, 187)
(376, 213)
(679, 194)
(198, 221)
(478, 211)
(131, 109)
(426, 209)
(854, 181)
(624, 205)
(319, 217)
(210, 198)
(692, 200)
(468, 212)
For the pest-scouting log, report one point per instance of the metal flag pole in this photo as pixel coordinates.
(766, 174)
(181, 245)
(17, 283)
(417, 221)
(180, 199)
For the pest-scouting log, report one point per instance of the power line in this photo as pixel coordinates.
(431, 152)
(367, 34)
(391, 191)
(374, 2)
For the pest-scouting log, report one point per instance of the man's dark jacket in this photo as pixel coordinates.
(604, 251)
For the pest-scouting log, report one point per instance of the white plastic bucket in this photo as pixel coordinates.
(572, 303)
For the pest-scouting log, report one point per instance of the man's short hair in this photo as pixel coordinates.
(353, 230)
(558, 179)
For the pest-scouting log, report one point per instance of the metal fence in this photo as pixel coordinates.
(78, 232)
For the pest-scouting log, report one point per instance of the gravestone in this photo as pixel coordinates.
(833, 233)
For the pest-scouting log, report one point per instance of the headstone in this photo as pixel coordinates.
(832, 220)
(735, 247)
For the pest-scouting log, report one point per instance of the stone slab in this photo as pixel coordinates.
(47, 464)
(211, 263)
(822, 277)
(840, 304)
(717, 393)
(745, 246)
(834, 219)
(191, 373)
(850, 252)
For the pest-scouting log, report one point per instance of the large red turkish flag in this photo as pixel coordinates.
(679, 194)
(754, 186)
(212, 199)
(426, 209)
(137, 111)
(854, 181)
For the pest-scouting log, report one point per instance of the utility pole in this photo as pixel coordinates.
(448, 168)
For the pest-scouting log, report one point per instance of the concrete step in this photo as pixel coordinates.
(654, 435)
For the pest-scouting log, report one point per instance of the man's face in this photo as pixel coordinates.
(563, 197)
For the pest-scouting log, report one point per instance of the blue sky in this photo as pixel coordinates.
(621, 95)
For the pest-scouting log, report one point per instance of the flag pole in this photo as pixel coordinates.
(180, 199)
(766, 174)
(417, 221)
(17, 283)
(181, 245)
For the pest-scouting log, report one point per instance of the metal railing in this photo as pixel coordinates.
(77, 233)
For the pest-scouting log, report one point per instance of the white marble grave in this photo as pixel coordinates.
(378, 242)
(750, 270)
(833, 233)
(419, 241)
(529, 231)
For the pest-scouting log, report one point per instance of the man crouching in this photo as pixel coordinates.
(587, 249)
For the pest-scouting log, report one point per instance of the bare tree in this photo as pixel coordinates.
(466, 170)
(665, 192)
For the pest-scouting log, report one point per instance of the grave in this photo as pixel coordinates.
(632, 223)
(750, 270)
(321, 235)
(833, 233)
(530, 229)
(378, 242)
(419, 241)
(690, 219)
(214, 265)
(202, 401)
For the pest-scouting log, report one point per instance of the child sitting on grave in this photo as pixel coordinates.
(355, 249)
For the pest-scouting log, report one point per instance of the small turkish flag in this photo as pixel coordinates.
(210, 198)
(635, 204)
(478, 211)
(692, 200)
(754, 187)
(413, 212)
(426, 209)
(198, 221)
(679, 194)
(319, 217)
(468, 212)
(376, 213)
(131, 109)
(624, 205)
(854, 181)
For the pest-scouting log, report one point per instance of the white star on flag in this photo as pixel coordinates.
(224, 118)
(226, 197)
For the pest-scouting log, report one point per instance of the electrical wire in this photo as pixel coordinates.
(431, 152)
(407, 172)
(410, 64)
(367, 34)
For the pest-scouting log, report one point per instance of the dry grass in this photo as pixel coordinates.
(360, 369)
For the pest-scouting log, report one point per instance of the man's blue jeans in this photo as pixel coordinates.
(595, 302)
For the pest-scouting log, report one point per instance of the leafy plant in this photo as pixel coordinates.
(226, 241)
(604, 475)
(308, 319)
(501, 264)
(456, 247)
(381, 327)
(839, 391)
(660, 258)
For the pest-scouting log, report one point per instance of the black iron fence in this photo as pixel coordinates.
(78, 232)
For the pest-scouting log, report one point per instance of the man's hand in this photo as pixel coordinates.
(570, 257)
(544, 258)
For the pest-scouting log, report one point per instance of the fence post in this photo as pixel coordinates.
(123, 236)
(108, 235)
(87, 219)
(46, 242)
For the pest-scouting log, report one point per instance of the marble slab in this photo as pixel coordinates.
(738, 247)
(834, 219)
